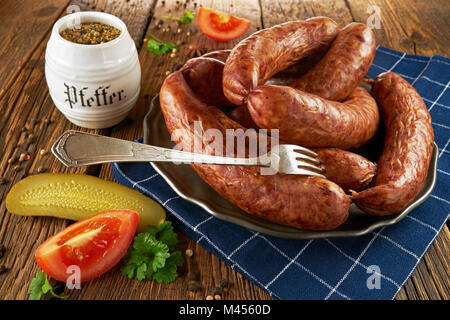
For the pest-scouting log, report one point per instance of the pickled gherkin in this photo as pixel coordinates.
(79, 196)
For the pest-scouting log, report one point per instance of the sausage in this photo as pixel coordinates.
(344, 65)
(297, 201)
(266, 52)
(407, 150)
(291, 74)
(203, 75)
(311, 121)
(241, 116)
(221, 55)
(348, 170)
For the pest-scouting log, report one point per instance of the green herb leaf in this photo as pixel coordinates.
(149, 256)
(40, 286)
(36, 286)
(165, 233)
(159, 47)
(168, 273)
(187, 18)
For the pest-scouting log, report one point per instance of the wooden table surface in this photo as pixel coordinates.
(420, 27)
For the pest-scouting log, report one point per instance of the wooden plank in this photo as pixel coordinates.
(417, 26)
(274, 12)
(24, 26)
(25, 100)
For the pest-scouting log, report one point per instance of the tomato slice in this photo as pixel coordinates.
(94, 244)
(219, 25)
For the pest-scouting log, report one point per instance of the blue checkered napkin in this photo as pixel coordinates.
(328, 268)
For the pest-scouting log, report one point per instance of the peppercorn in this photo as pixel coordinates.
(3, 269)
(193, 275)
(2, 250)
(193, 287)
(31, 138)
(13, 159)
(223, 283)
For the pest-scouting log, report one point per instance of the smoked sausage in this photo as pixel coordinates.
(311, 121)
(203, 75)
(266, 52)
(348, 170)
(408, 145)
(221, 55)
(344, 65)
(297, 201)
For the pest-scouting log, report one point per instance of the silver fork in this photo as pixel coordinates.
(76, 148)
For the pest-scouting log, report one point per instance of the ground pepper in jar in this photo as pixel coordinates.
(91, 33)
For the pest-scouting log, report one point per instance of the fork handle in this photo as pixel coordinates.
(76, 148)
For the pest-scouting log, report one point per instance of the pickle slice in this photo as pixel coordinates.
(79, 196)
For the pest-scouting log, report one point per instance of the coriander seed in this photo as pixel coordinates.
(91, 33)
(217, 297)
(41, 169)
(209, 297)
(189, 252)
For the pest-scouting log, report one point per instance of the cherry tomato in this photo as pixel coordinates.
(219, 25)
(94, 244)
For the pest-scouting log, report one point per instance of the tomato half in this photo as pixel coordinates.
(94, 244)
(221, 26)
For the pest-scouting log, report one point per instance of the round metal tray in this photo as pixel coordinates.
(187, 184)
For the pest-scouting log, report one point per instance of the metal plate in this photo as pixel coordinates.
(187, 184)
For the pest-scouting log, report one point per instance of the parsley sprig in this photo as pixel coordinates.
(152, 255)
(41, 287)
(159, 47)
(187, 18)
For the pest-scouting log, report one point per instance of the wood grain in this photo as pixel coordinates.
(411, 26)
(25, 25)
